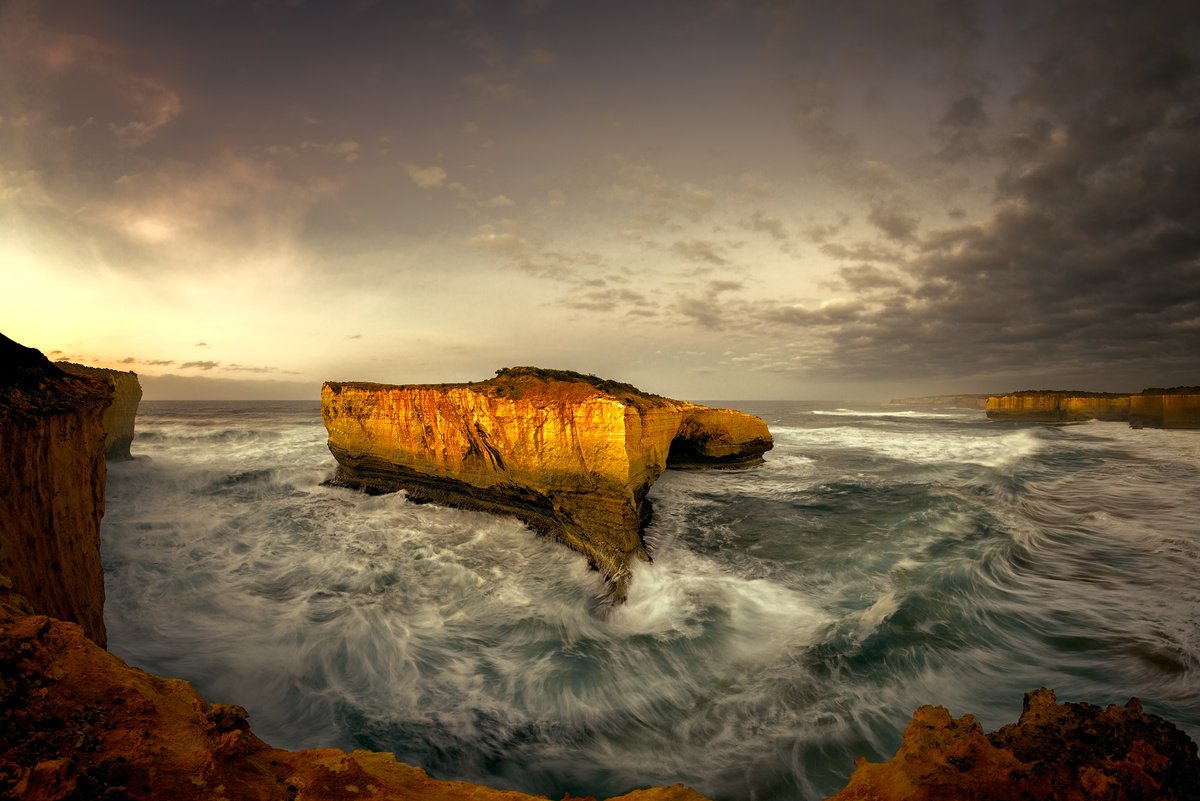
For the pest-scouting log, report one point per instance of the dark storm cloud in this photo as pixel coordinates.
(1091, 264)
(865, 44)
(961, 128)
(200, 365)
(894, 219)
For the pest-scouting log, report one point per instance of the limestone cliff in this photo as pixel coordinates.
(1154, 408)
(1058, 407)
(52, 486)
(1165, 409)
(1055, 751)
(571, 455)
(119, 417)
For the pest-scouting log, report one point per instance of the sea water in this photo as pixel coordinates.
(792, 619)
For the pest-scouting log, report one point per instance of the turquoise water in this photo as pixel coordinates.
(793, 617)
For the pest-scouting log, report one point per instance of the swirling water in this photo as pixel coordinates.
(793, 617)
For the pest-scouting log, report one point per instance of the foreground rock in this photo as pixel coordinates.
(52, 486)
(1178, 407)
(1055, 751)
(571, 455)
(119, 418)
(77, 722)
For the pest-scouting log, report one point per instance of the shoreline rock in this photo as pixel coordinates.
(573, 456)
(1067, 751)
(121, 413)
(52, 474)
(1177, 408)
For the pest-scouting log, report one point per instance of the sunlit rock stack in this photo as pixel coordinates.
(1178, 407)
(52, 486)
(571, 455)
(1055, 751)
(119, 416)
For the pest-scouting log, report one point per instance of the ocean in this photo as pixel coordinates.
(794, 616)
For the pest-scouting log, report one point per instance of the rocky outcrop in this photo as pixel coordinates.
(77, 722)
(119, 417)
(944, 401)
(1058, 407)
(1152, 408)
(52, 486)
(573, 456)
(1165, 409)
(1055, 751)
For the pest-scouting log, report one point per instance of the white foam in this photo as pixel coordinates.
(909, 413)
(986, 447)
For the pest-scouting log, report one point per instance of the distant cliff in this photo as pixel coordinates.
(119, 417)
(1178, 407)
(571, 455)
(52, 486)
(946, 401)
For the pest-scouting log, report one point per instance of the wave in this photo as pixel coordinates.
(899, 414)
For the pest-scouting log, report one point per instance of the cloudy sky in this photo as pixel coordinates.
(710, 199)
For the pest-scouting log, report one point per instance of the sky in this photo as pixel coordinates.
(739, 199)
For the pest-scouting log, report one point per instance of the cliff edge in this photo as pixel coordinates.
(571, 455)
(1178, 407)
(52, 486)
(119, 417)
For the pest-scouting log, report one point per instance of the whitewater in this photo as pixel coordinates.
(794, 615)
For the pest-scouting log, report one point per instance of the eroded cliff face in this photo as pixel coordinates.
(1062, 751)
(52, 486)
(121, 412)
(1175, 408)
(77, 722)
(571, 455)
(1058, 407)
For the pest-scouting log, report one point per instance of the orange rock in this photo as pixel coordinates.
(52, 476)
(1151, 408)
(1072, 752)
(119, 417)
(571, 455)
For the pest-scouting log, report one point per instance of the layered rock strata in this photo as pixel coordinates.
(52, 476)
(1058, 407)
(119, 417)
(1165, 409)
(1055, 751)
(573, 456)
(1152, 408)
